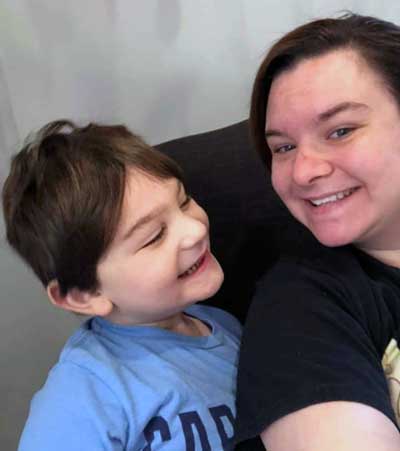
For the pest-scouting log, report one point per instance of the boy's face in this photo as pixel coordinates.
(159, 261)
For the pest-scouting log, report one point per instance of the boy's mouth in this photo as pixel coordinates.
(193, 268)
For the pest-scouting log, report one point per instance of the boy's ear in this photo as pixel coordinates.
(77, 301)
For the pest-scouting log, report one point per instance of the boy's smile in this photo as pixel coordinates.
(159, 261)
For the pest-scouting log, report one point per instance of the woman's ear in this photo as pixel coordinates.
(77, 301)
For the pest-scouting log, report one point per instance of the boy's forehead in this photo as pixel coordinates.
(140, 184)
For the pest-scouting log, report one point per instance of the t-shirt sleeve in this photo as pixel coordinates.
(74, 411)
(306, 341)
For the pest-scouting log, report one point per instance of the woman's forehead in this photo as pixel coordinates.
(316, 85)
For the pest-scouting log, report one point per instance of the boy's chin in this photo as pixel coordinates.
(213, 286)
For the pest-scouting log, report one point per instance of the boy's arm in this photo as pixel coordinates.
(74, 411)
(344, 426)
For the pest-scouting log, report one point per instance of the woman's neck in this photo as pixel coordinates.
(389, 257)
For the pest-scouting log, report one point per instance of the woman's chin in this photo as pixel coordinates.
(331, 239)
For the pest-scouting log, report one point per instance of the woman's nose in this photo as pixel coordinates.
(310, 166)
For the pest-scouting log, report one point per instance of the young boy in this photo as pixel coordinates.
(105, 223)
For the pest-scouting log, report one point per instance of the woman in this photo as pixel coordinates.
(318, 366)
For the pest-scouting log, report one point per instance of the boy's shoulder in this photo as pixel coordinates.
(97, 344)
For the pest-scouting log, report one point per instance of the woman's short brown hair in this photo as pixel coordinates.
(376, 41)
(62, 199)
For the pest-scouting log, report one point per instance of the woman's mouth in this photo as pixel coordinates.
(332, 198)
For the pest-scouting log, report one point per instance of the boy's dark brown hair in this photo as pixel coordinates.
(375, 40)
(62, 199)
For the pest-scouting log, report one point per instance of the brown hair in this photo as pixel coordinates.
(377, 41)
(62, 199)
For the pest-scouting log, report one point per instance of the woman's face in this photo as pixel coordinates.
(334, 132)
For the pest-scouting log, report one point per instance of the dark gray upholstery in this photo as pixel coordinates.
(224, 174)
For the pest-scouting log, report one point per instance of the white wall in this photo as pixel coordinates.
(166, 68)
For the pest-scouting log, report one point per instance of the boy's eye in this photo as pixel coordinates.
(158, 237)
(340, 132)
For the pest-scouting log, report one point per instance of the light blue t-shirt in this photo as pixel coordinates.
(139, 388)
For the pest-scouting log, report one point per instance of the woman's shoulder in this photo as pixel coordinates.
(324, 317)
(298, 248)
(315, 280)
(311, 262)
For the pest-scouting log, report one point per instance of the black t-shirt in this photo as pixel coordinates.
(317, 331)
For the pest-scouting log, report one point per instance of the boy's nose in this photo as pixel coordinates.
(308, 167)
(194, 231)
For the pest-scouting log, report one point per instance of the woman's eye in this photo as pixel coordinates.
(340, 132)
(158, 237)
(283, 149)
(186, 202)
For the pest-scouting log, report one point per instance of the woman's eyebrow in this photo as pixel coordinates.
(272, 132)
(325, 115)
(339, 108)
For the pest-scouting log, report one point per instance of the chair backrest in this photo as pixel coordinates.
(225, 175)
